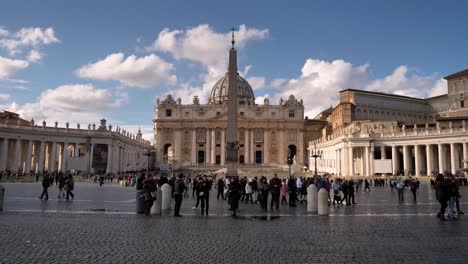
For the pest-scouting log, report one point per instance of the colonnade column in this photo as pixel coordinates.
(223, 146)
(465, 155)
(266, 149)
(27, 163)
(429, 160)
(454, 158)
(40, 167)
(252, 146)
(382, 152)
(367, 160)
(406, 162)
(91, 154)
(213, 146)
(4, 154)
(246, 146)
(281, 159)
(371, 162)
(441, 158)
(394, 160)
(109, 158)
(417, 160)
(16, 156)
(53, 157)
(77, 150)
(64, 156)
(344, 168)
(351, 161)
(194, 146)
(178, 147)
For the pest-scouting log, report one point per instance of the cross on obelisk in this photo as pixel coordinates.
(232, 144)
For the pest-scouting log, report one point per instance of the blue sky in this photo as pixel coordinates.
(82, 60)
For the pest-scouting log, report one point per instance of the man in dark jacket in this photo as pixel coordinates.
(350, 193)
(441, 187)
(221, 185)
(292, 189)
(275, 185)
(179, 189)
(45, 186)
(204, 194)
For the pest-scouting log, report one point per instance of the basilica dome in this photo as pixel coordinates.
(219, 93)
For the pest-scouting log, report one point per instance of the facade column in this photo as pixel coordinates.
(4, 154)
(252, 146)
(223, 146)
(178, 148)
(40, 167)
(395, 160)
(64, 156)
(367, 160)
(406, 162)
(454, 158)
(417, 160)
(266, 149)
(77, 150)
(27, 166)
(159, 147)
(53, 157)
(208, 147)
(246, 146)
(371, 161)
(213, 146)
(351, 161)
(382, 152)
(441, 155)
(429, 160)
(109, 158)
(194, 146)
(465, 155)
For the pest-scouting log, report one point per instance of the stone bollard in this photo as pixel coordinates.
(312, 199)
(140, 202)
(156, 208)
(166, 197)
(322, 202)
(2, 196)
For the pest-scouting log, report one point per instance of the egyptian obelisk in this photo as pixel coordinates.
(232, 144)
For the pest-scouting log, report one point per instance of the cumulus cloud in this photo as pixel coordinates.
(202, 44)
(75, 103)
(8, 67)
(145, 72)
(26, 38)
(320, 82)
(4, 96)
(34, 56)
(256, 82)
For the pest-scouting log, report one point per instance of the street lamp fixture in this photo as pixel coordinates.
(316, 154)
(149, 153)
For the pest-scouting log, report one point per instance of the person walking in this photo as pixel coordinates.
(234, 195)
(61, 185)
(69, 185)
(45, 187)
(275, 185)
(248, 192)
(458, 196)
(204, 194)
(179, 188)
(263, 189)
(344, 189)
(441, 195)
(283, 192)
(350, 193)
(220, 186)
(400, 187)
(414, 188)
(451, 194)
(336, 192)
(149, 186)
(292, 189)
(366, 185)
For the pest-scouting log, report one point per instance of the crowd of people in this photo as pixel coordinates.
(64, 182)
(447, 193)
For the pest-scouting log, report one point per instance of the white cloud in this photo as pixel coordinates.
(4, 96)
(75, 103)
(25, 38)
(277, 83)
(9, 67)
(34, 56)
(320, 82)
(256, 83)
(145, 72)
(204, 45)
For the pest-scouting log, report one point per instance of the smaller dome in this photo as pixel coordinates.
(219, 93)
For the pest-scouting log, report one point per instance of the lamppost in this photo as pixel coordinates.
(172, 161)
(316, 154)
(290, 160)
(148, 153)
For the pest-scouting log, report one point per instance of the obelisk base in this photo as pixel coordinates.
(231, 169)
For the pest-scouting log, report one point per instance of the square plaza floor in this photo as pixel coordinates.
(378, 229)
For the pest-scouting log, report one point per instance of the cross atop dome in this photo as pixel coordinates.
(233, 41)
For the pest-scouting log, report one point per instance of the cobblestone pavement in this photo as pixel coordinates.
(378, 229)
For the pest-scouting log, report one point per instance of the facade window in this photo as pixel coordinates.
(218, 113)
(242, 113)
(292, 136)
(291, 113)
(168, 112)
(258, 136)
(187, 114)
(241, 135)
(462, 103)
(167, 136)
(200, 135)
